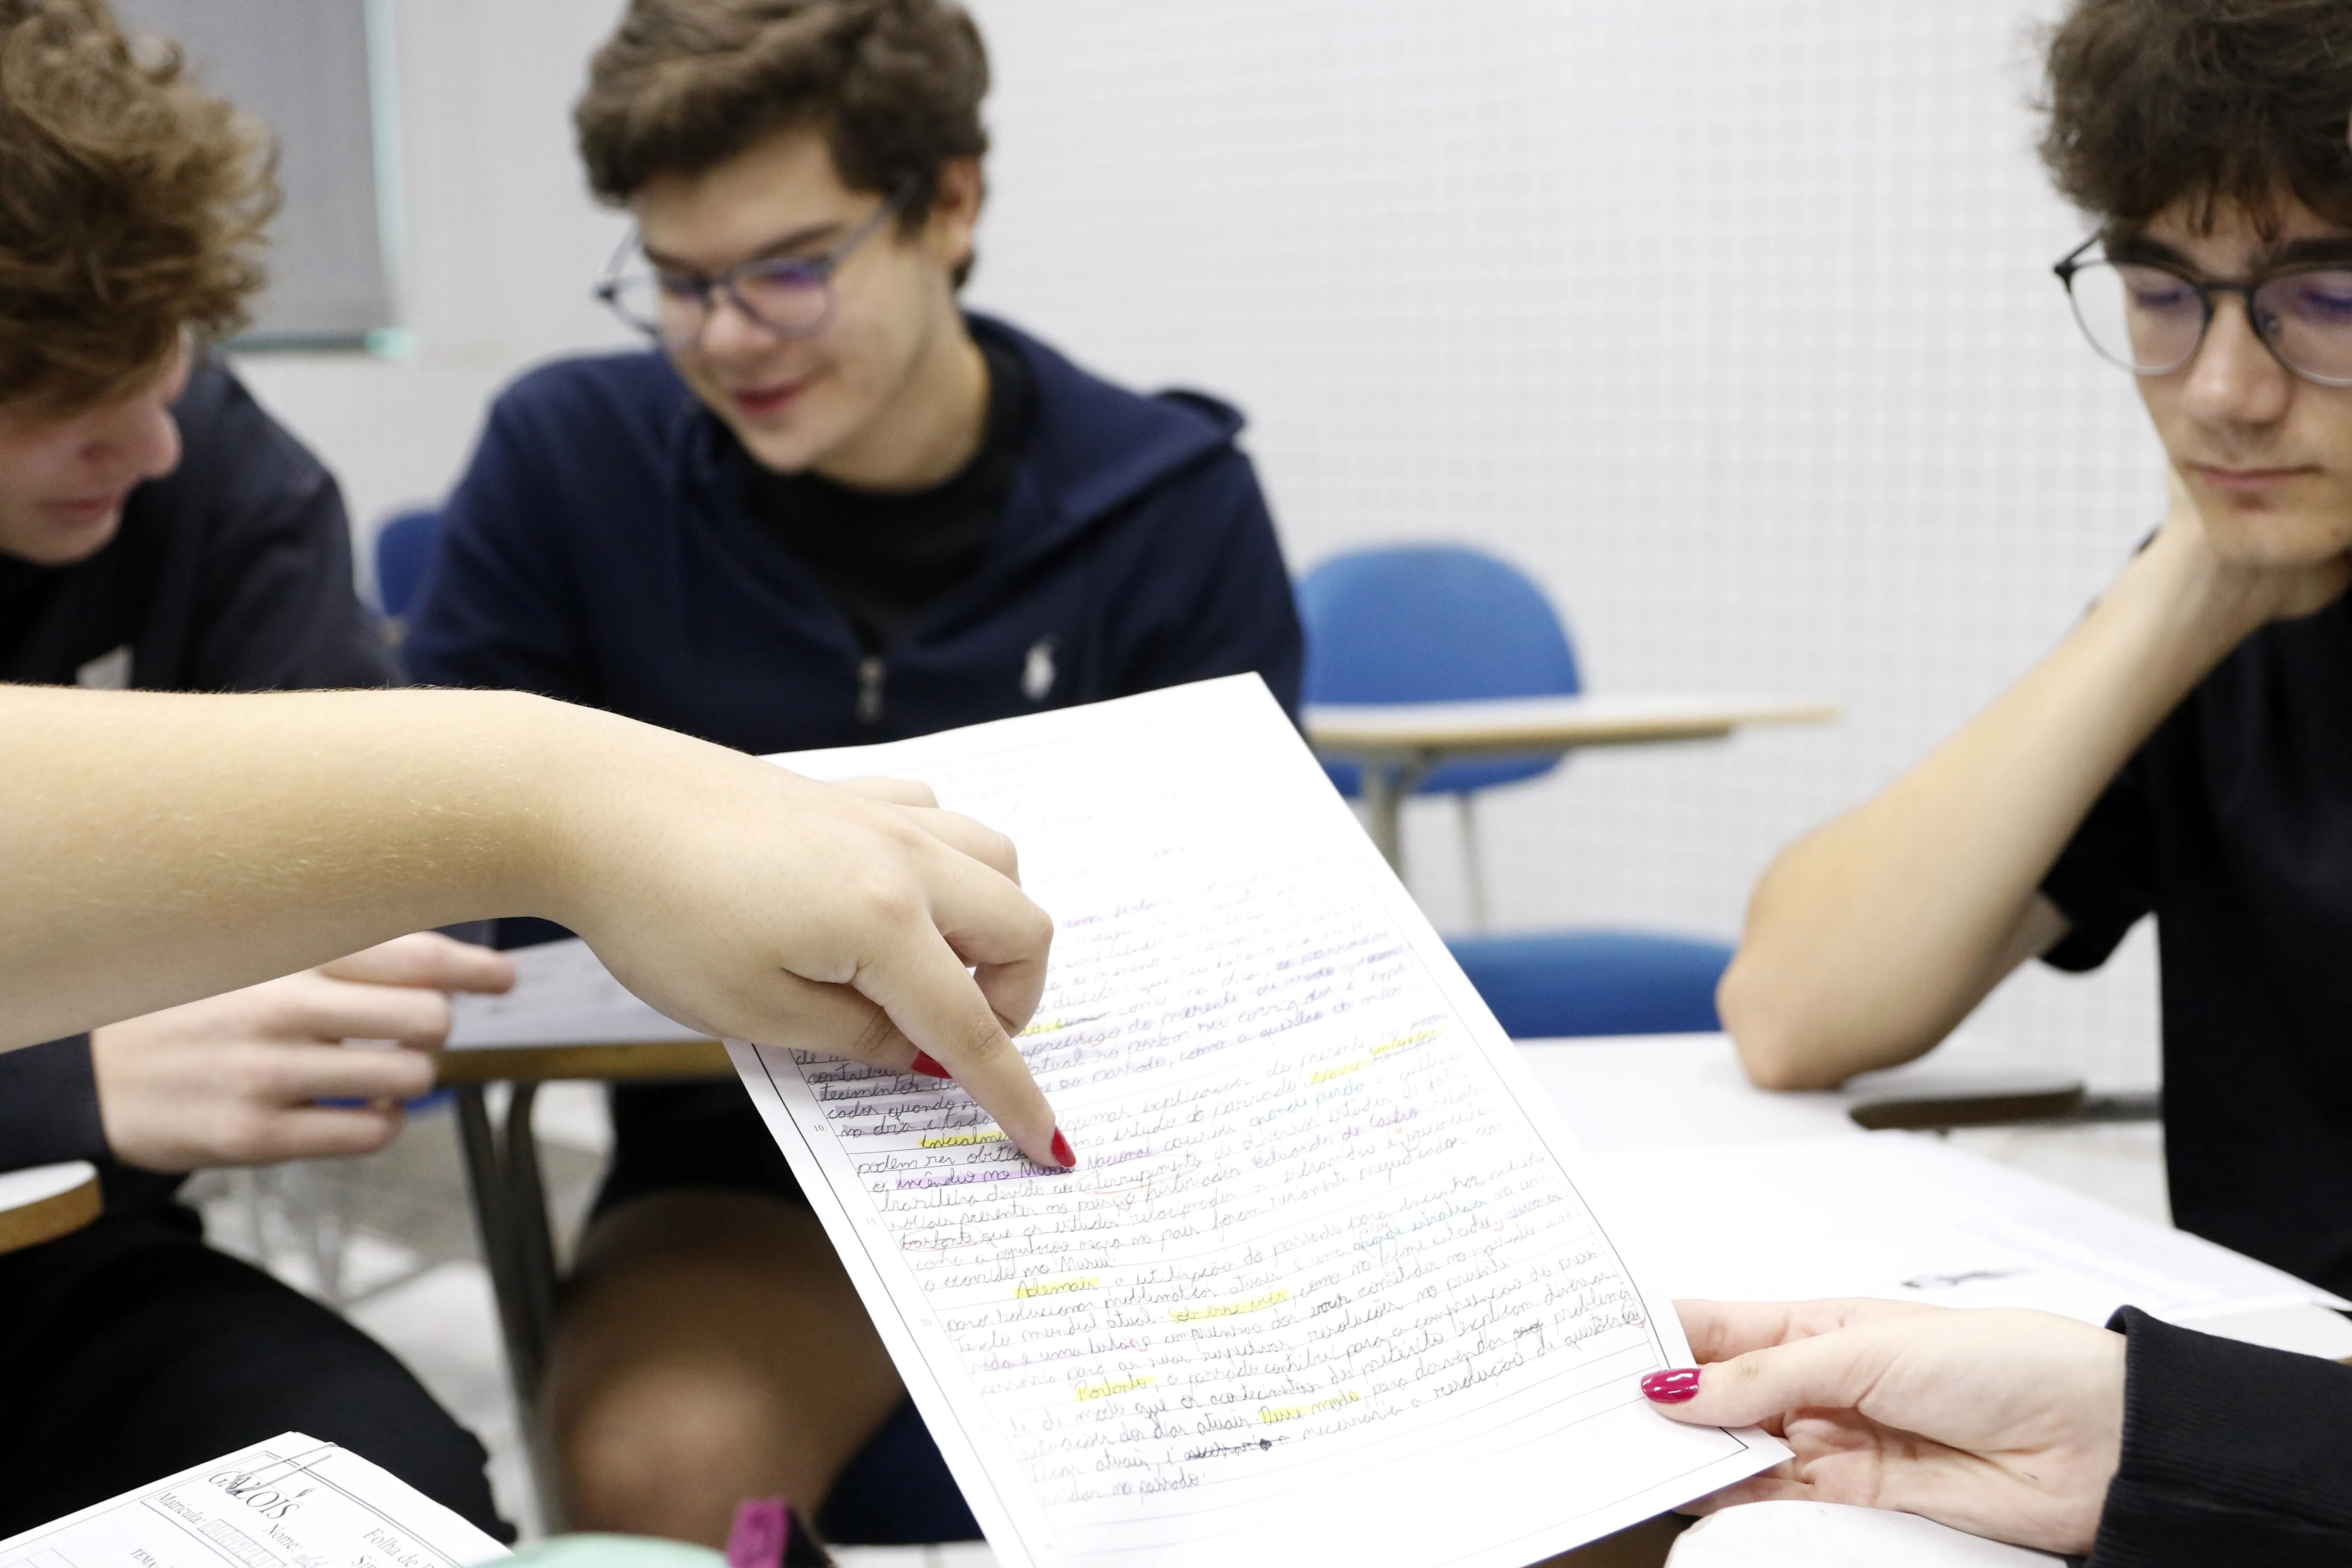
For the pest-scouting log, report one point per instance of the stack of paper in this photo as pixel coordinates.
(1903, 1217)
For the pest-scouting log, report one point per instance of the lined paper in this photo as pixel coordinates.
(1325, 1283)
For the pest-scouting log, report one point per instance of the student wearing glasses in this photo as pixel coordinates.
(2185, 750)
(827, 506)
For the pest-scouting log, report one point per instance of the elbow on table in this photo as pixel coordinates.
(1780, 1045)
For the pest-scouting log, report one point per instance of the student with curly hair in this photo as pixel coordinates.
(159, 531)
(2185, 750)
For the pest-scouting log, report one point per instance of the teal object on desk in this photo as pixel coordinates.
(615, 1552)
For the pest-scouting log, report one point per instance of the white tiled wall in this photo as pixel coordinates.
(1731, 319)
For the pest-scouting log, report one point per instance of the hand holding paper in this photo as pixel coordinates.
(2005, 1423)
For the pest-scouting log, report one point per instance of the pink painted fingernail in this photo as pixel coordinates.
(1670, 1387)
(927, 1065)
(1063, 1151)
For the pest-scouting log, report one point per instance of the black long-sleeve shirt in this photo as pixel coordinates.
(2233, 1456)
(233, 573)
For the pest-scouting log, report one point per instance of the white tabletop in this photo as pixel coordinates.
(1738, 1192)
(1828, 1535)
(42, 1202)
(38, 1184)
(1652, 1091)
(1585, 719)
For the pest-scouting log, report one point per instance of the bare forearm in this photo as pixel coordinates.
(160, 847)
(157, 848)
(1869, 940)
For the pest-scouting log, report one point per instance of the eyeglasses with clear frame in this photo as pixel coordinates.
(2151, 318)
(791, 296)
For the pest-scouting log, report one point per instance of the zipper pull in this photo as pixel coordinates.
(870, 670)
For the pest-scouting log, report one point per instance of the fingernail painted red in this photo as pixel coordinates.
(927, 1065)
(1063, 1151)
(1670, 1387)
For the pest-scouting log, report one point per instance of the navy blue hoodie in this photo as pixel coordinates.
(601, 548)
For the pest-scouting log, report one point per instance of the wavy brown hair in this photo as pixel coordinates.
(894, 86)
(2221, 102)
(132, 204)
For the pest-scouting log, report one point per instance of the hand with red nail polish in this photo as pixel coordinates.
(2004, 1424)
(915, 916)
(1677, 1387)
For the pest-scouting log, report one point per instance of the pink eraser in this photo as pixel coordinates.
(763, 1528)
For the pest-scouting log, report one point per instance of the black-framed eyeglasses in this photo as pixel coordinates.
(787, 295)
(2151, 318)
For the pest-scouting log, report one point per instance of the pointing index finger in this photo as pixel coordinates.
(934, 1002)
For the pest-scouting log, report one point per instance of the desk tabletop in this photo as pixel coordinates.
(1740, 1193)
(42, 1202)
(567, 1018)
(596, 1059)
(1537, 724)
(1652, 1091)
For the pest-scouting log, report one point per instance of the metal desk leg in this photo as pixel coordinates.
(533, 1244)
(511, 1211)
(1384, 814)
(1386, 784)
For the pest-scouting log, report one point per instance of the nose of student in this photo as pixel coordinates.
(732, 338)
(125, 443)
(2235, 381)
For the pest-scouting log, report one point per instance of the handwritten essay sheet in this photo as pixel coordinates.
(1324, 1287)
(290, 1502)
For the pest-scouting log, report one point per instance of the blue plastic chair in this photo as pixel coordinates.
(404, 548)
(1546, 985)
(1432, 623)
(1445, 624)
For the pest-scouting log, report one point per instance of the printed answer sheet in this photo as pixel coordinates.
(291, 1502)
(561, 995)
(1917, 1220)
(1323, 1287)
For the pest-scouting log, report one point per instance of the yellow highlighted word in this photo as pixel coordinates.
(1270, 1414)
(1327, 1074)
(1056, 1287)
(1111, 1385)
(950, 1139)
(1048, 1025)
(1273, 1297)
(1403, 1041)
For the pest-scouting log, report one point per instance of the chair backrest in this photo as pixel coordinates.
(404, 549)
(1432, 623)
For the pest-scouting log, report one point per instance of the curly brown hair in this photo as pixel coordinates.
(132, 204)
(683, 86)
(2221, 102)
